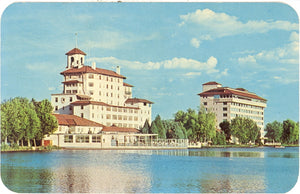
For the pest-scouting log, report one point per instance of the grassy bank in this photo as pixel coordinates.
(16, 148)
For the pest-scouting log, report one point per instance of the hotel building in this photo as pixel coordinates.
(99, 95)
(228, 103)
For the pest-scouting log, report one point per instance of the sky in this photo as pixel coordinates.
(166, 50)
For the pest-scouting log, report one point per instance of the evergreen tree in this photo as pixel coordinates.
(146, 127)
(153, 128)
(160, 127)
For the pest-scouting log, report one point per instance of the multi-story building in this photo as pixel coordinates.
(228, 103)
(99, 95)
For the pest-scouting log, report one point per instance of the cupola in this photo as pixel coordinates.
(75, 58)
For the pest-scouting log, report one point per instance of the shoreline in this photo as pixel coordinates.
(139, 148)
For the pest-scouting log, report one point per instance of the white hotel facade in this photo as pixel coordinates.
(99, 95)
(228, 103)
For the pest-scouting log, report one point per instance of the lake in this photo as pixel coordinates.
(156, 171)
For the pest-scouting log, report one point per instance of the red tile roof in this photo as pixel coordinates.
(88, 69)
(137, 100)
(82, 96)
(212, 83)
(75, 51)
(71, 82)
(114, 128)
(230, 91)
(86, 102)
(73, 120)
(126, 84)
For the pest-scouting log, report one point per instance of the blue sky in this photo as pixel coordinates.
(166, 50)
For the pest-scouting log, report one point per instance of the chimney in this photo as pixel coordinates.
(94, 65)
(118, 70)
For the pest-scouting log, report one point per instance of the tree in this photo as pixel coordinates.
(244, 129)
(153, 128)
(207, 122)
(225, 127)
(160, 127)
(289, 131)
(146, 127)
(274, 131)
(47, 120)
(220, 138)
(33, 125)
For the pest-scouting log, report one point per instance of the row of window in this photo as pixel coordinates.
(71, 91)
(73, 85)
(91, 84)
(83, 139)
(102, 77)
(240, 105)
(63, 99)
(123, 125)
(246, 111)
(247, 106)
(247, 116)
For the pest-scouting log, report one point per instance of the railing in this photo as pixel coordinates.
(169, 143)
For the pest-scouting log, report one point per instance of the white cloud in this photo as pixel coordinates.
(191, 74)
(207, 23)
(294, 37)
(225, 72)
(176, 63)
(287, 54)
(43, 66)
(51, 88)
(195, 42)
(247, 60)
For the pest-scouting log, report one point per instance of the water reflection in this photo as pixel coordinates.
(210, 153)
(233, 184)
(143, 171)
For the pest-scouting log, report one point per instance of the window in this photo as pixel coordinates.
(68, 138)
(224, 103)
(71, 99)
(96, 138)
(70, 107)
(224, 109)
(91, 76)
(91, 84)
(224, 114)
(82, 107)
(204, 103)
(56, 107)
(63, 100)
(99, 76)
(91, 92)
(82, 139)
(81, 115)
(56, 99)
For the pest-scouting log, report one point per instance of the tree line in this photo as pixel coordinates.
(200, 126)
(23, 120)
(286, 132)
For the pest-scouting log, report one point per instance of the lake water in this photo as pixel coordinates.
(159, 171)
